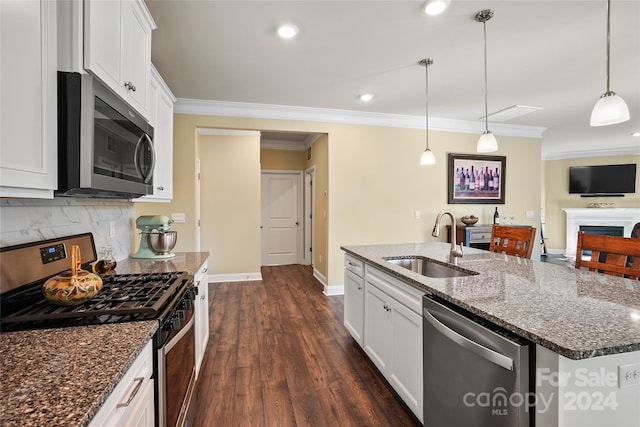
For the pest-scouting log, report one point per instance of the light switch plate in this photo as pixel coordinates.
(529, 214)
(628, 374)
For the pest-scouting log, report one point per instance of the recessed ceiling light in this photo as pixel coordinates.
(366, 97)
(287, 31)
(435, 7)
(635, 134)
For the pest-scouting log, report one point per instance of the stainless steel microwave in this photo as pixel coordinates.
(105, 148)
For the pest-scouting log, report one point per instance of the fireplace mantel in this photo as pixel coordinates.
(622, 217)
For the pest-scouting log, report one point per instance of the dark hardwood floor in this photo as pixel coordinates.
(279, 355)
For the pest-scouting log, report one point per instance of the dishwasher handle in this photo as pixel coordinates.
(484, 352)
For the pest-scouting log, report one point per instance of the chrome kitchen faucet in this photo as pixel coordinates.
(455, 253)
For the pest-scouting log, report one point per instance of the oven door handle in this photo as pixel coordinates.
(146, 140)
(179, 335)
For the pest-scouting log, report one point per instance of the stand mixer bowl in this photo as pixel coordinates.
(162, 242)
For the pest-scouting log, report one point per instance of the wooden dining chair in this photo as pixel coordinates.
(516, 241)
(613, 255)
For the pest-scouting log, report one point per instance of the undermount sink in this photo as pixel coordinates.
(427, 267)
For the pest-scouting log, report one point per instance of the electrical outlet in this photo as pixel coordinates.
(628, 374)
(416, 214)
(178, 217)
(529, 214)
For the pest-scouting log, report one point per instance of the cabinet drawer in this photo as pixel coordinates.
(354, 265)
(128, 393)
(480, 236)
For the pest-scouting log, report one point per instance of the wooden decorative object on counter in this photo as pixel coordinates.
(612, 255)
(517, 241)
(74, 286)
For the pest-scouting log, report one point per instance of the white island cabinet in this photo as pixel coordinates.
(28, 113)
(132, 401)
(393, 334)
(354, 297)
(201, 314)
(117, 47)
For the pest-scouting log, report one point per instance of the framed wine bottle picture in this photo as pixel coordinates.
(476, 179)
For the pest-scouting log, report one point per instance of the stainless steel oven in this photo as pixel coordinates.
(105, 148)
(175, 353)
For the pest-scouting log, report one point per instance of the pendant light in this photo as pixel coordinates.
(427, 157)
(487, 142)
(610, 108)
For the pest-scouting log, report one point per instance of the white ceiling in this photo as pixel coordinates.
(548, 54)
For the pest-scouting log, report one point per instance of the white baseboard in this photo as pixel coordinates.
(555, 251)
(236, 277)
(334, 290)
(328, 290)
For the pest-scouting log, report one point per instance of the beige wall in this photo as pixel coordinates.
(283, 159)
(374, 181)
(556, 197)
(230, 202)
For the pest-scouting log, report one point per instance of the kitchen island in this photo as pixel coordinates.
(585, 325)
(62, 377)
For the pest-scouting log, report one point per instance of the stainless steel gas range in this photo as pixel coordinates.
(165, 297)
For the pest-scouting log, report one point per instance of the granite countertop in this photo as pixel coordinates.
(183, 261)
(62, 377)
(575, 313)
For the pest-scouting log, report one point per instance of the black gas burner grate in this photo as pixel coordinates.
(124, 297)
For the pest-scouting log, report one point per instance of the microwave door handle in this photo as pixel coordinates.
(145, 138)
(482, 351)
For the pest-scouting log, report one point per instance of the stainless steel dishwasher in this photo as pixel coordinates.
(475, 374)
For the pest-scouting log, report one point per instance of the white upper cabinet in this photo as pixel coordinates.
(28, 112)
(117, 47)
(160, 103)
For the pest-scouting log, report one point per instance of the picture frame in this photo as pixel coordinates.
(479, 189)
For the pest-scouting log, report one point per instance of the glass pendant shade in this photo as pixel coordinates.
(609, 110)
(427, 158)
(487, 143)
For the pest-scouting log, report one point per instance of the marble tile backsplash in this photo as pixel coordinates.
(29, 220)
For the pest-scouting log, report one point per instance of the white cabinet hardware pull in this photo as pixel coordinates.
(135, 391)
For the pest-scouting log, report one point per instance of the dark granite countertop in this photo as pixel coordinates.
(183, 261)
(575, 313)
(62, 377)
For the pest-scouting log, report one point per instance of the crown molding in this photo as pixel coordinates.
(227, 132)
(597, 152)
(286, 112)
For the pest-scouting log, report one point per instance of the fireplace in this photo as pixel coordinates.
(599, 221)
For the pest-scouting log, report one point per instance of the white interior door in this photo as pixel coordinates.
(281, 206)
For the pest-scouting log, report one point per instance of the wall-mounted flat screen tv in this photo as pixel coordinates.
(602, 179)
